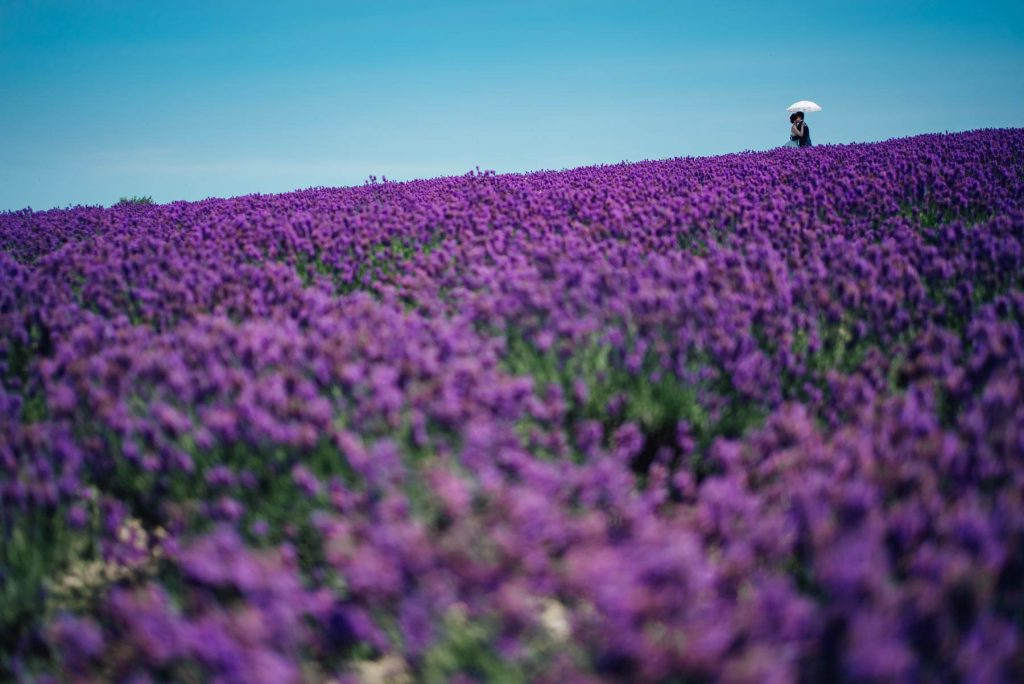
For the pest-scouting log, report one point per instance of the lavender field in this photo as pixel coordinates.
(752, 418)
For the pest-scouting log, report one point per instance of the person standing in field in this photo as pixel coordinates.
(796, 129)
(799, 131)
(805, 131)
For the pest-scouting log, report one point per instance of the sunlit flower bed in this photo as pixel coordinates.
(752, 418)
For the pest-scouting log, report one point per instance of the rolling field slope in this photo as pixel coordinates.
(749, 418)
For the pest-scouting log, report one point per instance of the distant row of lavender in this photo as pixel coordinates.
(754, 418)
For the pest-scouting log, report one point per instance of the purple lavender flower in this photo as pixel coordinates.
(676, 420)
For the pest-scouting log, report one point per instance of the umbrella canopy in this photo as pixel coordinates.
(803, 106)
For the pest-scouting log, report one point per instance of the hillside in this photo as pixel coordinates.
(748, 418)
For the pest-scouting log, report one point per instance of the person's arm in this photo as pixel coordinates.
(797, 130)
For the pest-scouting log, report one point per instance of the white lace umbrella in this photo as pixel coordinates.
(804, 106)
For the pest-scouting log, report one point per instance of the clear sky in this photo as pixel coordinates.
(185, 100)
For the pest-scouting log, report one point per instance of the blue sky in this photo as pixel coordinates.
(186, 100)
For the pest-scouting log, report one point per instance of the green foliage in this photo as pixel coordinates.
(929, 214)
(655, 398)
(134, 200)
(36, 545)
(381, 260)
(467, 648)
(17, 375)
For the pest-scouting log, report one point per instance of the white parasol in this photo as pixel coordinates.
(804, 106)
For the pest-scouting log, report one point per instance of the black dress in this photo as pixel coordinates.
(805, 139)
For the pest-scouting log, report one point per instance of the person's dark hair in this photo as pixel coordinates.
(792, 117)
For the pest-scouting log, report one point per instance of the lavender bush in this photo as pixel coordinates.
(750, 418)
